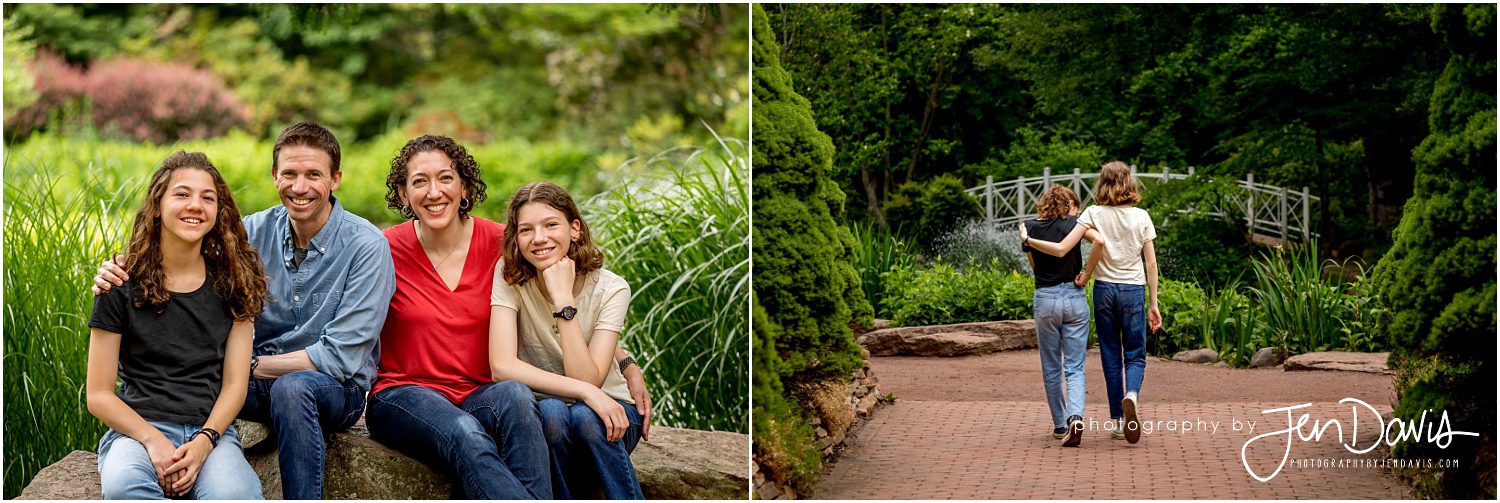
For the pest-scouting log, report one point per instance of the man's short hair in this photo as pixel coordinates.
(307, 134)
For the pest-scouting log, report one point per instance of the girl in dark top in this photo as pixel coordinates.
(1061, 310)
(178, 336)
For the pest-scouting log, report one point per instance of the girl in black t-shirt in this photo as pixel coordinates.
(178, 336)
(1060, 309)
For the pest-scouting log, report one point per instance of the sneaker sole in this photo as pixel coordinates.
(1075, 435)
(1132, 422)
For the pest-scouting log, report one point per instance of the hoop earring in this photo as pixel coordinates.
(464, 204)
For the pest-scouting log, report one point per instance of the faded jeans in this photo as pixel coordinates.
(1062, 333)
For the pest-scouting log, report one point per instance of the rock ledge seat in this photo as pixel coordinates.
(675, 464)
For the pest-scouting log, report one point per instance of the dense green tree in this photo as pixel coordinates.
(804, 277)
(1439, 277)
(896, 88)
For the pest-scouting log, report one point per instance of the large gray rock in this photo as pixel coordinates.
(1374, 363)
(675, 464)
(1197, 356)
(951, 340)
(1267, 357)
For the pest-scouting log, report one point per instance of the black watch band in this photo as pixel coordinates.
(567, 313)
(213, 436)
(626, 362)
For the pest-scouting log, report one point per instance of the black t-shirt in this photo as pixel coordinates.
(1050, 270)
(172, 363)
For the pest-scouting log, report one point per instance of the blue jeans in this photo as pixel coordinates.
(1062, 333)
(584, 462)
(301, 408)
(126, 472)
(1120, 317)
(492, 442)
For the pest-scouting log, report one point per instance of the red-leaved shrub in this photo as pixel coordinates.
(143, 100)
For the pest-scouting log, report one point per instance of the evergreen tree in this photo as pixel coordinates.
(1439, 277)
(806, 289)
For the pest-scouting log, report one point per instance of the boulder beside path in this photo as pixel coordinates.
(958, 339)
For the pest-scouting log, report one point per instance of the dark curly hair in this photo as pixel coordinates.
(468, 171)
(239, 278)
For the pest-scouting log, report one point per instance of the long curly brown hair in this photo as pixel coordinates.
(1115, 186)
(463, 163)
(586, 257)
(1055, 202)
(238, 276)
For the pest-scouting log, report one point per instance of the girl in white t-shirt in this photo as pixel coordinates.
(1124, 290)
(555, 321)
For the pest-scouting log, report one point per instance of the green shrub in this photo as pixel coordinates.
(927, 210)
(1439, 277)
(805, 278)
(1181, 304)
(943, 293)
(783, 436)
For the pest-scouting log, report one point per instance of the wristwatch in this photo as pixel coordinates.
(626, 362)
(254, 362)
(567, 313)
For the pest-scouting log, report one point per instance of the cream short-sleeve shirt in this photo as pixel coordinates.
(601, 306)
(1127, 229)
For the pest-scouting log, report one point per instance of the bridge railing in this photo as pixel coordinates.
(1268, 211)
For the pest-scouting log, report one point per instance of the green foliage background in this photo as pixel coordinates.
(569, 94)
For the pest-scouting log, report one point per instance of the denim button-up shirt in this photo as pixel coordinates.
(334, 304)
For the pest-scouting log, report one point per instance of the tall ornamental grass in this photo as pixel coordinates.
(878, 252)
(53, 244)
(1300, 309)
(682, 240)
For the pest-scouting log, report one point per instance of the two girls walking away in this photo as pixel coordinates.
(1125, 300)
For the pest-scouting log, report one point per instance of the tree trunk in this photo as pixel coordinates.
(871, 198)
(928, 113)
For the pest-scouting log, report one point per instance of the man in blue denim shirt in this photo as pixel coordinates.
(330, 280)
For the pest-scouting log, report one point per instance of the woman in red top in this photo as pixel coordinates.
(434, 397)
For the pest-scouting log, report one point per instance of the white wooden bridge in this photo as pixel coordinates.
(1274, 215)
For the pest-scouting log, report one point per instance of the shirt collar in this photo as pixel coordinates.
(325, 236)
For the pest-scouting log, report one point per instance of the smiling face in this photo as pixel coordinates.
(189, 207)
(433, 189)
(305, 180)
(544, 234)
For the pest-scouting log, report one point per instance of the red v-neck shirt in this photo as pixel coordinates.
(433, 337)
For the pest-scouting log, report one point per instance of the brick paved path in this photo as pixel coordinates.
(998, 445)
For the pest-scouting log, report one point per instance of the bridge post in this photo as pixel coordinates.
(1020, 197)
(1077, 178)
(989, 201)
(1166, 173)
(1306, 236)
(1046, 178)
(1283, 215)
(1250, 202)
(1190, 171)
